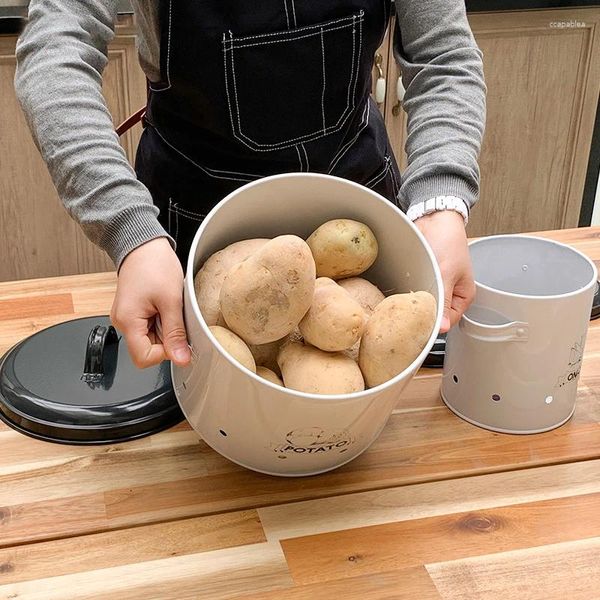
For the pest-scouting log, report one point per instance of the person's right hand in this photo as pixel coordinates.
(150, 283)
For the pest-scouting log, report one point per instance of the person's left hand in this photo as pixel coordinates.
(445, 232)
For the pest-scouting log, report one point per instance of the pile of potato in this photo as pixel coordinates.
(296, 313)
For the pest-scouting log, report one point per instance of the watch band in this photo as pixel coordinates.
(436, 204)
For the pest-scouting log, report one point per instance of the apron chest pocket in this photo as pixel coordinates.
(292, 86)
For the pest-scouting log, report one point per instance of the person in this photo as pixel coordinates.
(239, 91)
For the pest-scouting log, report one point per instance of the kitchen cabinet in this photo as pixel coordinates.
(39, 239)
(543, 84)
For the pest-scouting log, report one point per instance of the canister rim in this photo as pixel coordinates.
(189, 285)
(592, 283)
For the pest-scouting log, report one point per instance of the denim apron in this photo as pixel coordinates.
(251, 89)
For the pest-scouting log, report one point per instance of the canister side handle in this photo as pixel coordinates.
(514, 331)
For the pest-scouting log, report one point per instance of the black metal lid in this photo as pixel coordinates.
(75, 383)
(435, 359)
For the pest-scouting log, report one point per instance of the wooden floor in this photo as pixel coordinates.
(435, 509)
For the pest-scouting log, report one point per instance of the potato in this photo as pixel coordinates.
(308, 369)
(295, 336)
(395, 335)
(364, 292)
(269, 375)
(335, 321)
(342, 248)
(265, 355)
(234, 346)
(353, 351)
(209, 279)
(265, 297)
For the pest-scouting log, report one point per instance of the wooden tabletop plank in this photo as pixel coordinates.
(568, 570)
(389, 505)
(23, 308)
(67, 284)
(218, 575)
(186, 478)
(478, 495)
(96, 301)
(50, 519)
(105, 470)
(37, 455)
(351, 552)
(415, 447)
(135, 545)
(403, 584)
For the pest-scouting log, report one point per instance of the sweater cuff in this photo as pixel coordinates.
(422, 189)
(130, 229)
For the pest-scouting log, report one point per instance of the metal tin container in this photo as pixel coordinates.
(251, 421)
(513, 362)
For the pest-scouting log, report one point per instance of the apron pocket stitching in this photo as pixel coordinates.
(299, 158)
(293, 13)
(309, 137)
(324, 82)
(348, 145)
(289, 38)
(244, 177)
(305, 28)
(229, 46)
(377, 178)
(190, 214)
(395, 184)
(190, 217)
(306, 156)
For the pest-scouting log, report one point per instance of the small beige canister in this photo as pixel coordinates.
(512, 364)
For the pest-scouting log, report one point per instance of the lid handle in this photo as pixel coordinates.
(99, 337)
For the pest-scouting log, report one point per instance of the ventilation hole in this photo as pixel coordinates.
(496, 398)
(222, 432)
(344, 450)
(455, 378)
(281, 456)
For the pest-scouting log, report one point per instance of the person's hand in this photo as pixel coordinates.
(445, 232)
(150, 283)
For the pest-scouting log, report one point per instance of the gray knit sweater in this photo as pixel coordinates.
(63, 51)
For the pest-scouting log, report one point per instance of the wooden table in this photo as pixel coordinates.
(436, 508)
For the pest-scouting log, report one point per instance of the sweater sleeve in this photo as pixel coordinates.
(61, 55)
(442, 72)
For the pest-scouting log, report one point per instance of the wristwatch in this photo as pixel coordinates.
(439, 203)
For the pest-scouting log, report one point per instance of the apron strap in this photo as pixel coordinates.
(136, 117)
(130, 121)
